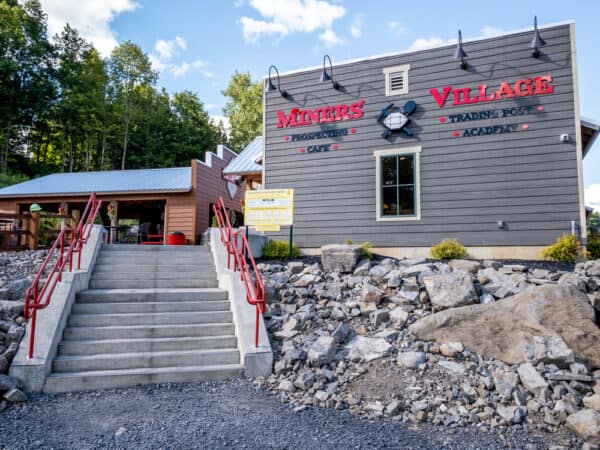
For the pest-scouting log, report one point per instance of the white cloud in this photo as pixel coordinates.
(330, 39)
(433, 41)
(356, 27)
(166, 49)
(283, 17)
(222, 119)
(489, 30)
(592, 196)
(396, 28)
(91, 18)
(179, 70)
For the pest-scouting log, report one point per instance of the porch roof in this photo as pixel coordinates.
(169, 180)
(248, 161)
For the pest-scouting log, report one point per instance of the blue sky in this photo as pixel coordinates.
(197, 45)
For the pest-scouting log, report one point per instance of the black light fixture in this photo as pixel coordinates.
(327, 77)
(459, 53)
(271, 87)
(537, 40)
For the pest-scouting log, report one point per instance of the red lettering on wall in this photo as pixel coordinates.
(504, 90)
(483, 97)
(287, 121)
(523, 88)
(543, 86)
(440, 99)
(341, 112)
(298, 117)
(461, 97)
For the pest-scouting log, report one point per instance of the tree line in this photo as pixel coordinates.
(63, 108)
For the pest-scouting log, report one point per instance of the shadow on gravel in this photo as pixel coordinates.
(225, 415)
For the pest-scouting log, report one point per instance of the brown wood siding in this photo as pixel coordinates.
(210, 185)
(179, 216)
(179, 209)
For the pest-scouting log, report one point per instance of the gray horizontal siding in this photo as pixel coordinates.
(527, 178)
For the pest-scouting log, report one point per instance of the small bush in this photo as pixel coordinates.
(593, 247)
(366, 249)
(448, 249)
(565, 249)
(348, 242)
(279, 250)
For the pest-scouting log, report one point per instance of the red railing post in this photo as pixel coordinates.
(39, 298)
(32, 334)
(242, 255)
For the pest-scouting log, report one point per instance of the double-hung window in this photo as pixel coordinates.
(398, 196)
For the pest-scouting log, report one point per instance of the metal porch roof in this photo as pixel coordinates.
(176, 179)
(245, 162)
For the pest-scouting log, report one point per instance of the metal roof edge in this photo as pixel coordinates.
(78, 194)
(442, 45)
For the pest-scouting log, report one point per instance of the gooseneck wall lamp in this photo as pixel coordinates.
(271, 87)
(459, 53)
(325, 77)
(537, 40)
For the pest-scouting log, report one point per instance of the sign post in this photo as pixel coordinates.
(268, 210)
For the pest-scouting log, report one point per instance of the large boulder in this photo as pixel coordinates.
(509, 329)
(451, 289)
(367, 349)
(340, 258)
(586, 423)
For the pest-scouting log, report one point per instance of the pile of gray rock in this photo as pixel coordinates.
(450, 343)
(17, 270)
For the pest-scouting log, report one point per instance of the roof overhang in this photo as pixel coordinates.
(87, 193)
(589, 132)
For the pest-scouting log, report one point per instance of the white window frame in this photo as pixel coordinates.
(387, 71)
(416, 151)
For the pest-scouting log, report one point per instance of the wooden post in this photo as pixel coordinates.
(114, 221)
(34, 229)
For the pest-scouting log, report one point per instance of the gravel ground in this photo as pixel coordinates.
(226, 415)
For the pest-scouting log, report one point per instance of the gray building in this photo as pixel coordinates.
(408, 149)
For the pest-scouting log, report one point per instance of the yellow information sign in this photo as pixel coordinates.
(269, 208)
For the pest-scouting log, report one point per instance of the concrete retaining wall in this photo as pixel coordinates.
(52, 320)
(257, 361)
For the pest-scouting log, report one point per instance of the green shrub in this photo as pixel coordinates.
(448, 249)
(279, 250)
(593, 247)
(348, 242)
(565, 249)
(366, 249)
(7, 179)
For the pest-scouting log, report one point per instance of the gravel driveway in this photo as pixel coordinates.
(225, 415)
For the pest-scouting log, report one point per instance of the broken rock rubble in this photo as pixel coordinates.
(355, 339)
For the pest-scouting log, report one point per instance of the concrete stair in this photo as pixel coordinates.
(152, 314)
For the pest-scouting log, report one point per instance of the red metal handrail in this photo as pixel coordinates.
(236, 245)
(38, 297)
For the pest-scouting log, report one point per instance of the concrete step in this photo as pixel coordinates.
(88, 347)
(149, 307)
(151, 295)
(146, 331)
(155, 248)
(109, 379)
(166, 318)
(168, 268)
(117, 361)
(141, 284)
(173, 261)
(202, 274)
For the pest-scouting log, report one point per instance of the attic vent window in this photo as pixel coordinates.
(396, 79)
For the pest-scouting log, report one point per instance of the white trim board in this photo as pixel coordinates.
(415, 150)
